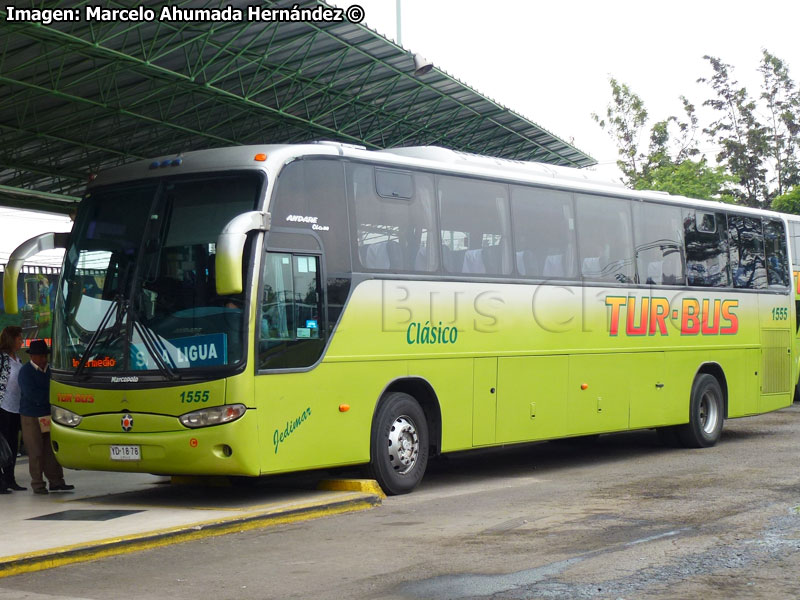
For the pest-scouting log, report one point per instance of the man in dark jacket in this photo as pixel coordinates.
(34, 410)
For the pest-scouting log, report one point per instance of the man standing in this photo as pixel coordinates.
(34, 410)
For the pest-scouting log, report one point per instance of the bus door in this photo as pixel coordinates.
(796, 326)
(775, 312)
(776, 352)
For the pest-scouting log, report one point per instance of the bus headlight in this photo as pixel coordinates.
(62, 416)
(214, 415)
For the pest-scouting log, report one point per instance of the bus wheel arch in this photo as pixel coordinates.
(400, 442)
(713, 369)
(422, 391)
(707, 411)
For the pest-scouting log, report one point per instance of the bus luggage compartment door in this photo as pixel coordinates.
(530, 398)
(598, 395)
(484, 401)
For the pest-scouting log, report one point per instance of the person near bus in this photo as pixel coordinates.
(34, 409)
(10, 364)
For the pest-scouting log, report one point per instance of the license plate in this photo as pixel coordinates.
(125, 453)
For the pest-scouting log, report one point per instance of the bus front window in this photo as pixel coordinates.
(138, 289)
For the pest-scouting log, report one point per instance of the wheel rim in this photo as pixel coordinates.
(709, 413)
(403, 445)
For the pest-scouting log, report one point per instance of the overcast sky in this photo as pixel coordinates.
(550, 61)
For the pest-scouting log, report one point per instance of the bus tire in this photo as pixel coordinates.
(706, 414)
(399, 444)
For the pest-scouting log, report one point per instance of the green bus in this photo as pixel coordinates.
(793, 228)
(36, 311)
(277, 308)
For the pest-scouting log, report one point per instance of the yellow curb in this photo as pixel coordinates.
(65, 555)
(365, 486)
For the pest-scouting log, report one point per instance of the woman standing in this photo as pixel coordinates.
(10, 364)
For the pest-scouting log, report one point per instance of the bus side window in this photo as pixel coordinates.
(707, 262)
(475, 226)
(394, 219)
(544, 233)
(794, 236)
(658, 233)
(775, 248)
(605, 244)
(291, 331)
(747, 252)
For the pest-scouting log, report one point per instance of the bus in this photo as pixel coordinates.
(36, 312)
(277, 308)
(793, 228)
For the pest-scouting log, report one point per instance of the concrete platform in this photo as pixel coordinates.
(115, 513)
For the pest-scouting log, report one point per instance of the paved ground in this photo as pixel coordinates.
(117, 513)
(621, 518)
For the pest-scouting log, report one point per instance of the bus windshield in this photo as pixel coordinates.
(138, 290)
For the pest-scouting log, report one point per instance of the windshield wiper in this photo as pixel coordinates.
(115, 302)
(151, 343)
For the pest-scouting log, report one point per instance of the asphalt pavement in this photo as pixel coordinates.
(115, 513)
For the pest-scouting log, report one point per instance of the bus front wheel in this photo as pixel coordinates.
(706, 414)
(399, 444)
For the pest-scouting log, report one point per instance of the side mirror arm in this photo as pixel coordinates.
(27, 249)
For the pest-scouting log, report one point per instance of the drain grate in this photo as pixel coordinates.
(85, 515)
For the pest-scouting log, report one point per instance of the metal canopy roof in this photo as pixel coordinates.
(80, 96)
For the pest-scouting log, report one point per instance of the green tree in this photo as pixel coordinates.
(743, 139)
(625, 119)
(687, 132)
(788, 202)
(669, 147)
(694, 179)
(783, 115)
(668, 163)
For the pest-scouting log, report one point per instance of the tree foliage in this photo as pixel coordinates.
(757, 137)
(694, 179)
(740, 135)
(783, 103)
(668, 163)
(788, 202)
(625, 119)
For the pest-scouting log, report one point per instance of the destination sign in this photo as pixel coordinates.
(182, 353)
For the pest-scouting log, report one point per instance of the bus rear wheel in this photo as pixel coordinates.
(399, 444)
(706, 414)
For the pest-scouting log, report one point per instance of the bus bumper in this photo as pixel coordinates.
(228, 449)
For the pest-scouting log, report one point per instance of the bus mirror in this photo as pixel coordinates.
(32, 247)
(230, 249)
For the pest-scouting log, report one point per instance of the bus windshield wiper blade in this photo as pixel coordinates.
(151, 343)
(115, 302)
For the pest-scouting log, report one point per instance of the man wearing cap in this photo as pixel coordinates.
(34, 410)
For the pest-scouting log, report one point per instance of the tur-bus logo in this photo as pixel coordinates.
(648, 316)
